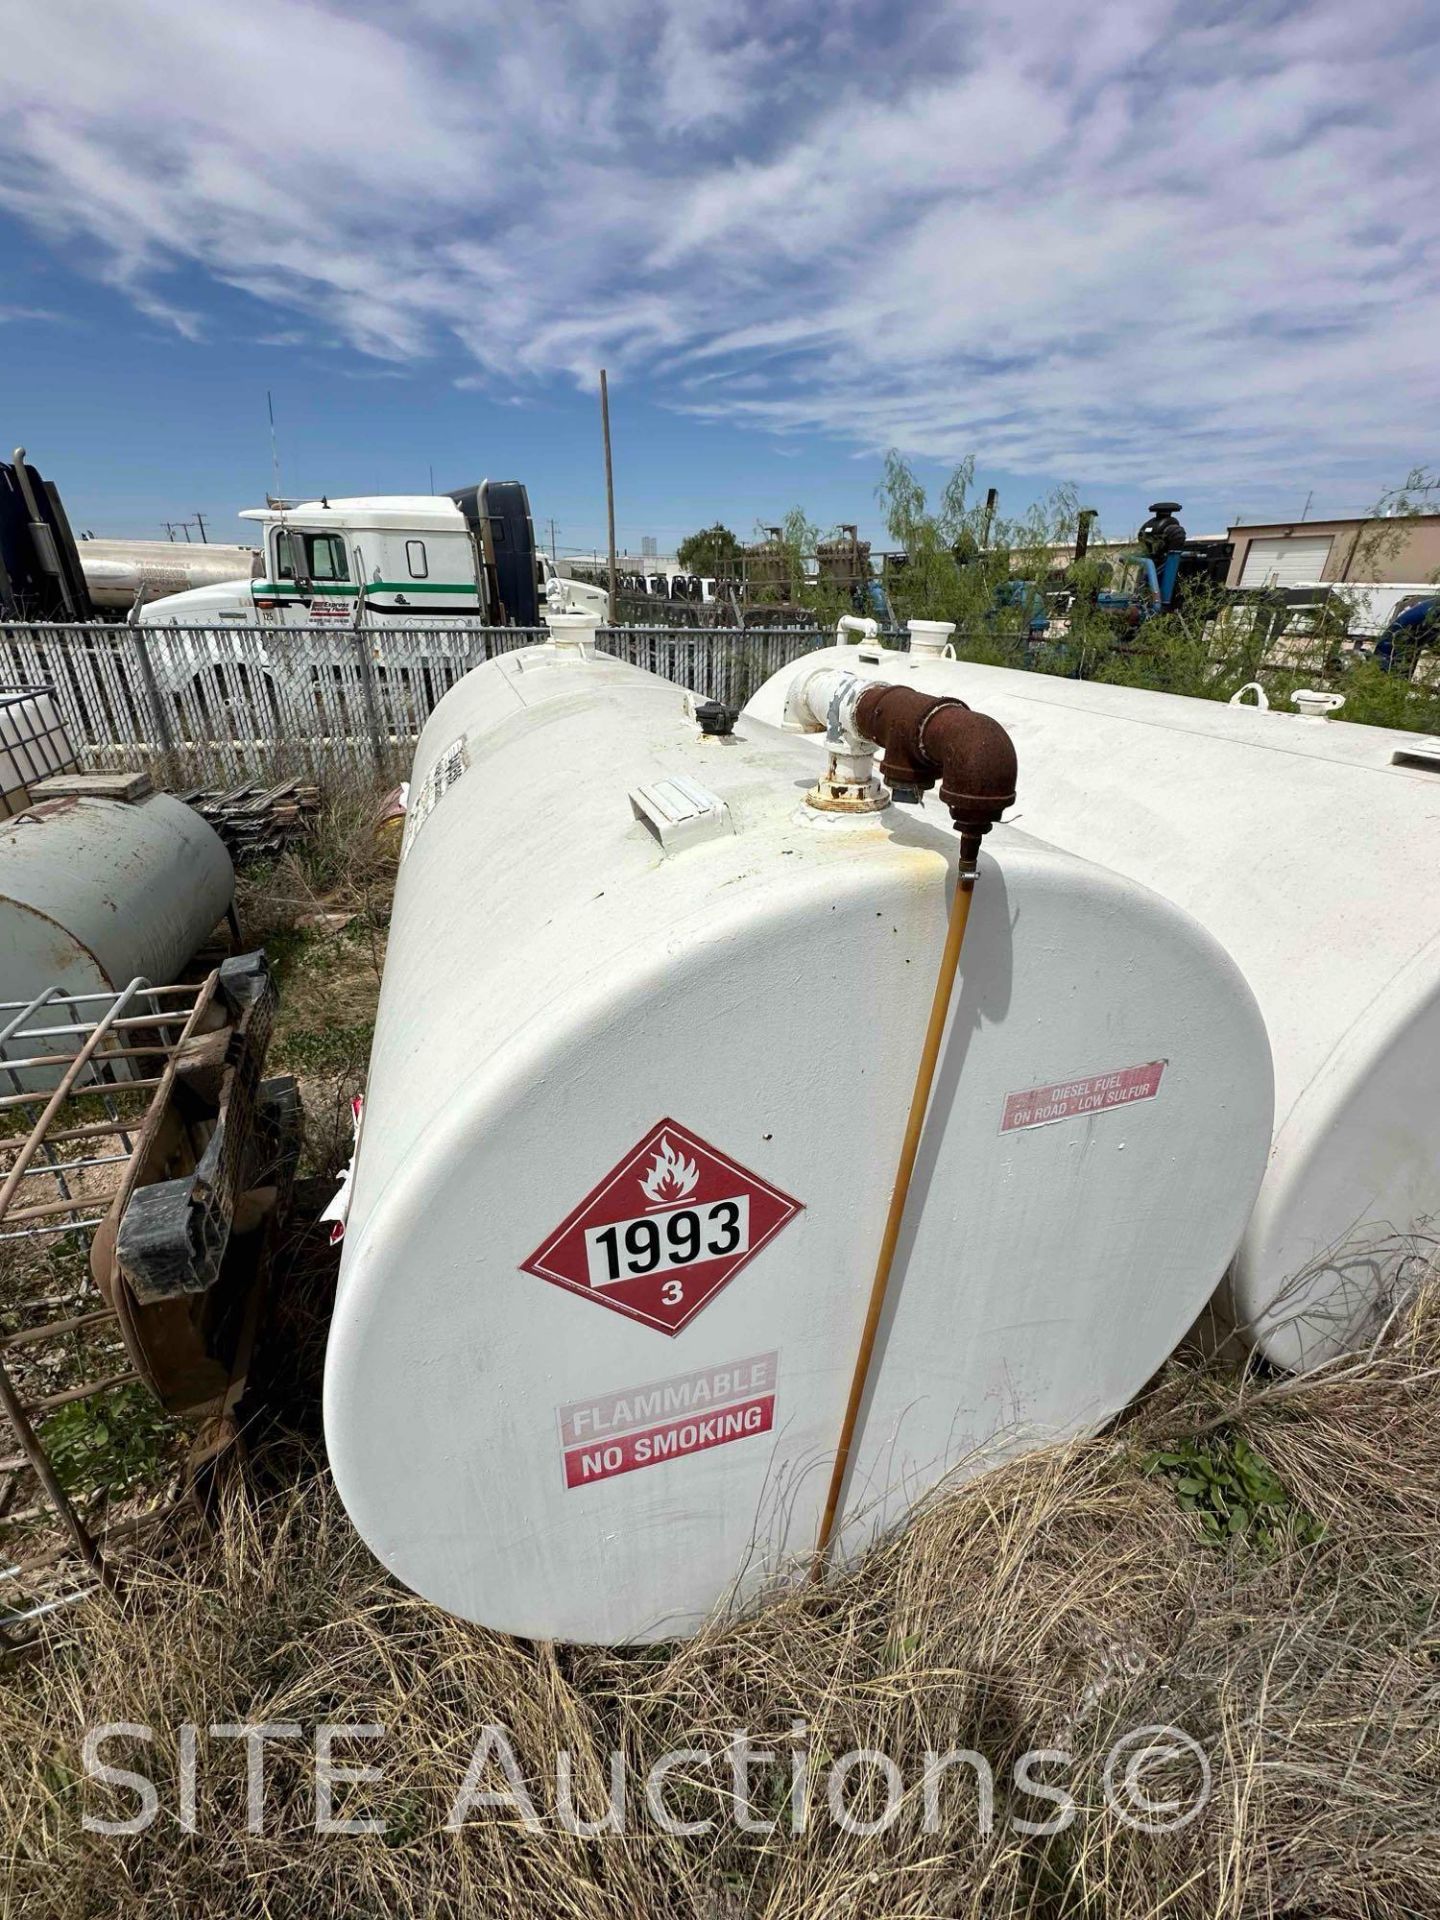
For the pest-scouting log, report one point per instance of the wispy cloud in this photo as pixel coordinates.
(1142, 243)
(9, 315)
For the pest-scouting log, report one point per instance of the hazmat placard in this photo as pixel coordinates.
(664, 1231)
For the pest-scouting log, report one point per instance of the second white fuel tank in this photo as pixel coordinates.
(1310, 849)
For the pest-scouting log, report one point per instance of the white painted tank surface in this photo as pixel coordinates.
(95, 892)
(1311, 849)
(646, 1041)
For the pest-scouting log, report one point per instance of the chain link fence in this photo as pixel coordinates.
(218, 706)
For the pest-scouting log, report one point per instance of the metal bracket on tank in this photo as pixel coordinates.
(680, 813)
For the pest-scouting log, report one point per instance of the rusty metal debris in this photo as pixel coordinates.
(255, 820)
(137, 1122)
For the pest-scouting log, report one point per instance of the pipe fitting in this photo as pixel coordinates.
(849, 783)
(929, 738)
(1313, 703)
(571, 632)
(860, 624)
(931, 639)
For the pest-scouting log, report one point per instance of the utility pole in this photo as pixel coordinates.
(554, 560)
(609, 485)
(200, 522)
(992, 499)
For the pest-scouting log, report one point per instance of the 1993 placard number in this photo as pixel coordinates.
(662, 1242)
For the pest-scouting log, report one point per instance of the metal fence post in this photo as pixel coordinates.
(152, 690)
(361, 638)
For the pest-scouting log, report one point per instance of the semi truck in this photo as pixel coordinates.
(388, 560)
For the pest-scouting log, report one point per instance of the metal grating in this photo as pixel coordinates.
(130, 1119)
(33, 743)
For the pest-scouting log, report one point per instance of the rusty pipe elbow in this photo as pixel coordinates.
(894, 718)
(977, 765)
(930, 737)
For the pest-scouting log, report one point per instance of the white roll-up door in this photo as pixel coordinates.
(1286, 563)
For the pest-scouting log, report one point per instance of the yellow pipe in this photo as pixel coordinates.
(914, 1127)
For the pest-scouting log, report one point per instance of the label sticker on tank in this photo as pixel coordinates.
(1070, 1099)
(432, 790)
(664, 1231)
(667, 1419)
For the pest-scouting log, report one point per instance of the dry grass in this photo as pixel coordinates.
(321, 912)
(342, 865)
(1058, 1602)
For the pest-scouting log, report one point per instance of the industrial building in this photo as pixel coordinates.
(1305, 552)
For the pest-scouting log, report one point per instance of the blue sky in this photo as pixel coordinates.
(1153, 250)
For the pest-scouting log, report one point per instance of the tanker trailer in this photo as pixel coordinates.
(647, 1039)
(1310, 849)
(118, 572)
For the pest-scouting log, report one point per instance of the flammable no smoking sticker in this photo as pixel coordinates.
(667, 1419)
(664, 1231)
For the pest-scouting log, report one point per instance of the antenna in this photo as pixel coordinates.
(274, 445)
(609, 484)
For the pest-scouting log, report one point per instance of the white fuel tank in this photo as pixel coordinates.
(1311, 849)
(647, 1036)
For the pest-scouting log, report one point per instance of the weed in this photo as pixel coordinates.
(1234, 1494)
(1056, 1602)
(110, 1443)
(325, 1049)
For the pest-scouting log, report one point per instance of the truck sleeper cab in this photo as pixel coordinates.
(378, 560)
